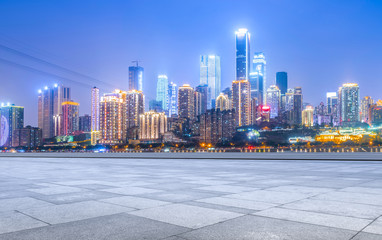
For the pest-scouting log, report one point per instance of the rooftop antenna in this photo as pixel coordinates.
(137, 62)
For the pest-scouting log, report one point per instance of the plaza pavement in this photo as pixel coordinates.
(177, 196)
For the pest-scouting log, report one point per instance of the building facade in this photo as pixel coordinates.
(11, 118)
(273, 100)
(85, 123)
(136, 78)
(210, 75)
(162, 91)
(241, 101)
(257, 78)
(28, 137)
(243, 53)
(95, 115)
(153, 125)
(217, 126)
(70, 122)
(186, 102)
(172, 104)
(349, 103)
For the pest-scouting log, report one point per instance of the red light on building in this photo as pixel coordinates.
(265, 108)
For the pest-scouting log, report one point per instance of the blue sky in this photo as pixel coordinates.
(321, 44)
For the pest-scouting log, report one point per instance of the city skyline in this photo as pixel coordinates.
(340, 68)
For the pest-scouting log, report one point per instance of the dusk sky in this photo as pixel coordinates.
(321, 44)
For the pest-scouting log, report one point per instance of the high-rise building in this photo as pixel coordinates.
(113, 118)
(203, 91)
(282, 82)
(331, 101)
(307, 116)
(257, 78)
(85, 123)
(95, 115)
(153, 125)
(297, 106)
(217, 126)
(241, 101)
(11, 118)
(50, 109)
(197, 103)
(28, 137)
(70, 118)
(376, 114)
(210, 75)
(366, 103)
(273, 100)
(223, 102)
(186, 102)
(135, 103)
(172, 104)
(162, 91)
(349, 103)
(136, 78)
(243, 54)
(155, 105)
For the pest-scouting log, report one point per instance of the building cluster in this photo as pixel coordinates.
(205, 113)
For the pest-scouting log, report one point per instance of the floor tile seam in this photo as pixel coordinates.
(366, 227)
(35, 218)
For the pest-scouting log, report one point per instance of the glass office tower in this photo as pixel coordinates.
(242, 54)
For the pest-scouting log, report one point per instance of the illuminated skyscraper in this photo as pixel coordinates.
(11, 118)
(50, 109)
(113, 117)
(203, 91)
(241, 101)
(242, 54)
(162, 91)
(153, 125)
(95, 115)
(307, 116)
(70, 118)
(257, 78)
(135, 103)
(223, 102)
(85, 123)
(136, 78)
(186, 102)
(297, 105)
(282, 82)
(349, 103)
(366, 104)
(331, 101)
(172, 104)
(210, 75)
(273, 100)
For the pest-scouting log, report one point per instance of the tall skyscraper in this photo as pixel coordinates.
(197, 103)
(273, 100)
(70, 118)
(366, 104)
(153, 125)
(135, 102)
(172, 104)
(257, 78)
(11, 118)
(50, 109)
(282, 82)
(186, 102)
(95, 116)
(210, 75)
(331, 101)
(242, 54)
(113, 118)
(307, 116)
(349, 103)
(203, 91)
(162, 91)
(241, 101)
(297, 106)
(136, 78)
(85, 123)
(223, 102)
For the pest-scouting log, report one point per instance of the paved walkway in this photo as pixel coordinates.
(175, 199)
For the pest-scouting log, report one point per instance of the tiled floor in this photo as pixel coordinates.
(176, 199)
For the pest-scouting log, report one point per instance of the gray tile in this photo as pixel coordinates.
(375, 227)
(352, 197)
(135, 202)
(269, 196)
(186, 215)
(328, 220)
(74, 211)
(15, 221)
(55, 190)
(114, 227)
(227, 188)
(367, 236)
(253, 227)
(131, 190)
(76, 197)
(300, 189)
(240, 203)
(337, 208)
(21, 203)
